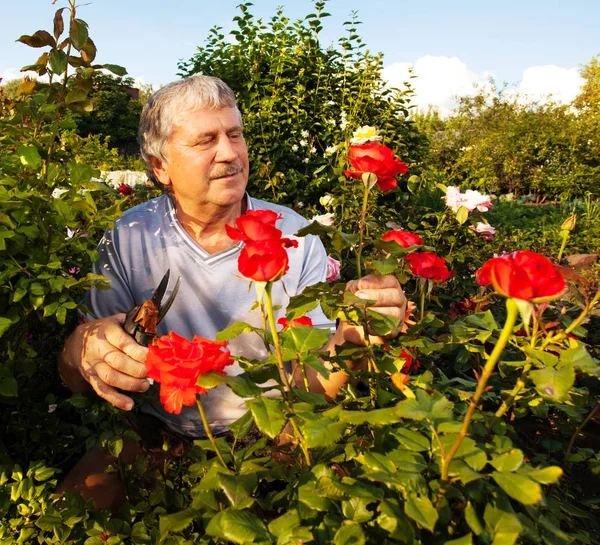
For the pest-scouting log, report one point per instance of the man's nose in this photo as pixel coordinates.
(225, 150)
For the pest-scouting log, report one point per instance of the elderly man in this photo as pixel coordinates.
(192, 140)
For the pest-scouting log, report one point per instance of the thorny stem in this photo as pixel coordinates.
(565, 235)
(507, 403)
(511, 318)
(209, 434)
(282, 372)
(422, 309)
(580, 427)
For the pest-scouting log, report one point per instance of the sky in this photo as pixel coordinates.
(536, 47)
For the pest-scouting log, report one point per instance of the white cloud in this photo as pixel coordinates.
(441, 79)
(541, 83)
(10, 73)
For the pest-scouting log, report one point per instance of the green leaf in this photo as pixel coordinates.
(238, 488)
(433, 407)
(234, 330)
(509, 461)
(75, 95)
(580, 359)
(176, 521)
(48, 522)
(237, 526)
(462, 215)
(115, 69)
(554, 382)
(349, 534)
(242, 386)
(5, 323)
(473, 520)
(464, 540)
(421, 510)
(211, 379)
(268, 415)
(547, 475)
(322, 432)
(311, 398)
(519, 487)
(58, 61)
(9, 387)
(377, 417)
(59, 24)
(356, 509)
(29, 156)
(411, 440)
(78, 32)
(302, 339)
(285, 523)
(41, 38)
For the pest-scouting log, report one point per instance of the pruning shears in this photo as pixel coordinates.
(141, 321)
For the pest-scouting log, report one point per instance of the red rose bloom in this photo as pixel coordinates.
(263, 257)
(303, 320)
(411, 363)
(265, 260)
(522, 275)
(428, 265)
(125, 189)
(404, 238)
(177, 363)
(377, 159)
(255, 225)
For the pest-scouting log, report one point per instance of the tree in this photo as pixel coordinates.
(116, 112)
(301, 101)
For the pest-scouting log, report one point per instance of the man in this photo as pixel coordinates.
(192, 141)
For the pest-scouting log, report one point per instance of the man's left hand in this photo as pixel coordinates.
(389, 300)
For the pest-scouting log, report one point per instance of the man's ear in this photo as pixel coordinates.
(160, 171)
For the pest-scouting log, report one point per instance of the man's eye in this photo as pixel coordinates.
(235, 136)
(205, 142)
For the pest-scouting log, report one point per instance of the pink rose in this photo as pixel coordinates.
(452, 198)
(484, 229)
(472, 200)
(325, 219)
(333, 269)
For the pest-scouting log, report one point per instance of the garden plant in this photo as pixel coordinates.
(474, 424)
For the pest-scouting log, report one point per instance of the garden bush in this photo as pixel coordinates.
(474, 426)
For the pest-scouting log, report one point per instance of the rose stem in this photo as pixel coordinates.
(283, 373)
(511, 318)
(209, 434)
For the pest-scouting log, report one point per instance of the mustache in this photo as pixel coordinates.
(229, 169)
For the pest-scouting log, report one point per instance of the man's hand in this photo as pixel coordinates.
(102, 355)
(389, 301)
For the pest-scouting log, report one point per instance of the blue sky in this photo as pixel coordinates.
(454, 44)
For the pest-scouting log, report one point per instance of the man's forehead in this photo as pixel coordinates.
(201, 120)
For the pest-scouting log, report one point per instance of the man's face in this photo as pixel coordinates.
(207, 160)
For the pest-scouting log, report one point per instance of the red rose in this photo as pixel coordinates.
(177, 363)
(377, 159)
(411, 363)
(404, 238)
(265, 260)
(124, 189)
(255, 225)
(428, 265)
(523, 275)
(303, 320)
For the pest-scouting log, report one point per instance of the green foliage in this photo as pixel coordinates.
(500, 144)
(301, 101)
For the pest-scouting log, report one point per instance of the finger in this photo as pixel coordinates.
(373, 281)
(113, 396)
(111, 373)
(120, 339)
(384, 297)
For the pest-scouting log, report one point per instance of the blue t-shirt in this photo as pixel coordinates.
(148, 239)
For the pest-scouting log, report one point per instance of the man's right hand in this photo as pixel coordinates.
(101, 354)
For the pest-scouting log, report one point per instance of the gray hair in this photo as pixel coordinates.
(163, 107)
